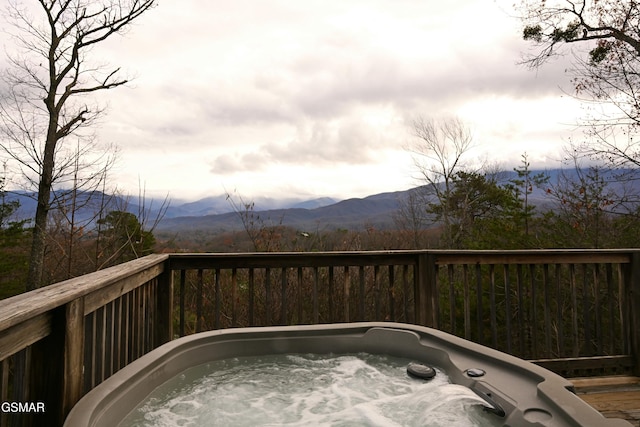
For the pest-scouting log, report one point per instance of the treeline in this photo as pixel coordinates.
(76, 243)
(590, 207)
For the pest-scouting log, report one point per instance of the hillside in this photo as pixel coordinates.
(216, 213)
(354, 214)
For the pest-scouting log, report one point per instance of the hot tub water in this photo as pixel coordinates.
(303, 390)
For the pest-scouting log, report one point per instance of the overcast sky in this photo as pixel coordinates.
(315, 97)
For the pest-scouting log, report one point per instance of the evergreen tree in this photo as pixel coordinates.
(477, 207)
(124, 238)
(583, 214)
(13, 243)
(522, 187)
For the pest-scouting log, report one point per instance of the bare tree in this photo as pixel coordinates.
(127, 235)
(265, 235)
(49, 81)
(604, 38)
(439, 148)
(76, 209)
(411, 218)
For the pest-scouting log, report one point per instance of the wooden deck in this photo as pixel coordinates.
(614, 397)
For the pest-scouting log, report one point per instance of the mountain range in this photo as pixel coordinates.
(356, 213)
(224, 213)
(222, 204)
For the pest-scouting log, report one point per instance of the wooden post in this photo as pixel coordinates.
(73, 372)
(164, 307)
(45, 373)
(633, 307)
(425, 290)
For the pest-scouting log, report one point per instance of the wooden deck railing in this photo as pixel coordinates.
(576, 312)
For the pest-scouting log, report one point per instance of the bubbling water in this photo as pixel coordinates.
(303, 390)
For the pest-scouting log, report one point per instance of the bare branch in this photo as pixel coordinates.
(51, 78)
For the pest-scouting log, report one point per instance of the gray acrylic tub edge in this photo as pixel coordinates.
(528, 394)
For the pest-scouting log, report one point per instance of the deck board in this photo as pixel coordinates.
(614, 397)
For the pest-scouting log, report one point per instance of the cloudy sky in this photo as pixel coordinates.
(315, 97)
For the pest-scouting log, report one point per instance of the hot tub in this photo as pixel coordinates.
(515, 392)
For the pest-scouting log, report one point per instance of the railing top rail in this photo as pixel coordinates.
(19, 308)
(290, 259)
(22, 307)
(563, 256)
(344, 258)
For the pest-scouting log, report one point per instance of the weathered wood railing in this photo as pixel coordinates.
(572, 311)
(58, 342)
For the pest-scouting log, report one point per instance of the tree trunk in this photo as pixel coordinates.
(38, 244)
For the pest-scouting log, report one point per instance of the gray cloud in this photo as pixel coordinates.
(238, 87)
(314, 144)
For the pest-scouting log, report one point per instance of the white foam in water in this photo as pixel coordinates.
(304, 390)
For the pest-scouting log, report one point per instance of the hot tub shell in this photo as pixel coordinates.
(528, 394)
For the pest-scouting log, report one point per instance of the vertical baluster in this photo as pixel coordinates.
(521, 310)
(108, 349)
(330, 293)
(183, 279)
(140, 321)
(251, 296)
(316, 284)
(492, 306)
(433, 272)
(347, 288)
(467, 302)
(21, 378)
(622, 313)
(405, 292)
(147, 313)
(93, 348)
(479, 313)
(148, 321)
(153, 307)
(100, 345)
(533, 325)
(612, 314)
(199, 301)
(574, 310)
(598, 307)
(300, 295)
(547, 310)
(217, 303)
(560, 314)
(586, 312)
(118, 363)
(234, 297)
(283, 296)
(507, 306)
(268, 302)
(452, 299)
(126, 349)
(361, 293)
(163, 305)
(135, 332)
(376, 292)
(392, 299)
